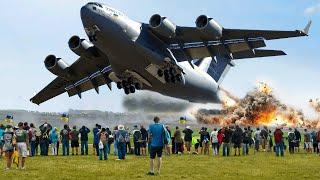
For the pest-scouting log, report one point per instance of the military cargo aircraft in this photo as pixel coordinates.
(182, 62)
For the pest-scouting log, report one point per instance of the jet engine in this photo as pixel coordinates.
(57, 67)
(162, 25)
(209, 26)
(83, 47)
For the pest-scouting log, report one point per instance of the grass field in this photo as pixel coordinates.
(262, 165)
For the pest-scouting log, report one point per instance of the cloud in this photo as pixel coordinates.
(312, 9)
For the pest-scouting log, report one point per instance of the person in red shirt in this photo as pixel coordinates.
(278, 139)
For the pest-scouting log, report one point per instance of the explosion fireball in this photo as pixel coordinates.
(258, 107)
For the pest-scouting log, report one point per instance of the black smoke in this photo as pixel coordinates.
(153, 102)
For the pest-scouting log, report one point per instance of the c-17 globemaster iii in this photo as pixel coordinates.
(183, 62)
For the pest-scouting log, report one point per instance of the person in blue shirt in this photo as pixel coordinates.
(1, 138)
(96, 139)
(156, 138)
(54, 138)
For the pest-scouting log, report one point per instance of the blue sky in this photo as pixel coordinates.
(30, 30)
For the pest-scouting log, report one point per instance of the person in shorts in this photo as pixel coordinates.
(144, 139)
(74, 137)
(22, 140)
(8, 146)
(237, 139)
(188, 138)
(156, 139)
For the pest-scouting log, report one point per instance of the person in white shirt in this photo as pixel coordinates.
(214, 141)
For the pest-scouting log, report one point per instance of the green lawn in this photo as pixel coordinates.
(262, 165)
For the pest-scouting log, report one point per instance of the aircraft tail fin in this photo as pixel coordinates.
(217, 67)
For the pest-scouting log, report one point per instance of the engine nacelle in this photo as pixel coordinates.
(162, 25)
(82, 47)
(57, 67)
(209, 26)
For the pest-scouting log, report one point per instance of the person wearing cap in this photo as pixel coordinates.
(8, 146)
(84, 131)
(122, 137)
(22, 140)
(74, 137)
(188, 138)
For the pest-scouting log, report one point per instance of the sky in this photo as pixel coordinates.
(31, 30)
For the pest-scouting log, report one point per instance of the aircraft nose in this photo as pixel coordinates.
(85, 12)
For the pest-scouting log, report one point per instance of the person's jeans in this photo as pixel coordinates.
(115, 148)
(33, 148)
(226, 149)
(291, 147)
(54, 148)
(84, 147)
(44, 147)
(215, 148)
(137, 148)
(58, 143)
(122, 150)
(103, 152)
(245, 149)
(109, 146)
(256, 145)
(279, 149)
(178, 148)
(96, 146)
(129, 147)
(65, 148)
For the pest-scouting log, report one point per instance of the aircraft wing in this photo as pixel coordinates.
(189, 43)
(266, 34)
(88, 74)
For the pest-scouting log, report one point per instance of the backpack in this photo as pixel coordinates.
(136, 135)
(103, 137)
(8, 141)
(291, 137)
(32, 134)
(123, 138)
(167, 137)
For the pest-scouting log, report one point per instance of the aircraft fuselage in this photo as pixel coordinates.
(130, 46)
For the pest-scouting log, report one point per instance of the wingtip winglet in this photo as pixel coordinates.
(307, 28)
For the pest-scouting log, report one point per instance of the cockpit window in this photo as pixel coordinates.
(97, 4)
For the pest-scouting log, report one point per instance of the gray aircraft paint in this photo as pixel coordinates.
(120, 38)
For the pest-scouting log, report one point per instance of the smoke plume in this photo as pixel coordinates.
(147, 101)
